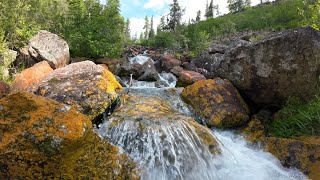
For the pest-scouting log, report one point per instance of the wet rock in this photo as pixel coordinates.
(29, 79)
(150, 72)
(88, 87)
(5, 89)
(41, 138)
(303, 154)
(217, 102)
(49, 47)
(150, 112)
(187, 78)
(169, 61)
(270, 71)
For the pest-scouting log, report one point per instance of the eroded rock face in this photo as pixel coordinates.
(217, 102)
(304, 154)
(5, 89)
(270, 71)
(29, 79)
(88, 87)
(41, 138)
(50, 47)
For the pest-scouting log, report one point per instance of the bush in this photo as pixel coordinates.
(6, 58)
(297, 119)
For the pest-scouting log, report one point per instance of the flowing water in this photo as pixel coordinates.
(170, 148)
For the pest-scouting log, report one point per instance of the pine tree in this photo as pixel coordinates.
(175, 15)
(210, 10)
(146, 28)
(238, 5)
(127, 29)
(198, 16)
(151, 32)
(206, 10)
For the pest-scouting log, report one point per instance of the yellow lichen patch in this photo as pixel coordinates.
(70, 89)
(218, 102)
(302, 155)
(108, 83)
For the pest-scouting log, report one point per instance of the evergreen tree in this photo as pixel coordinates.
(238, 5)
(210, 10)
(146, 27)
(151, 33)
(175, 15)
(127, 30)
(206, 10)
(198, 16)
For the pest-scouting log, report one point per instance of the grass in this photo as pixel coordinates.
(297, 120)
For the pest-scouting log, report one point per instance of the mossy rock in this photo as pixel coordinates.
(43, 139)
(217, 102)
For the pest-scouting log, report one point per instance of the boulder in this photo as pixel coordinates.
(188, 78)
(49, 47)
(150, 72)
(114, 65)
(88, 87)
(176, 70)
(302, 154)
(217, 102)
(29, 79)
(169, 61)
(270, 71)
(7, 57)
(79, 59)
(5, 89)
(44, 139)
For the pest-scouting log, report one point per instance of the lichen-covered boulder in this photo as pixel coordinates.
(303, 154)
(88, 87)
(5, 89)
(217, 102)
(43, 139)
(49, 47)
(29, 79)
(187, 78)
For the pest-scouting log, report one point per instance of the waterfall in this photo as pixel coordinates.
(161, 136)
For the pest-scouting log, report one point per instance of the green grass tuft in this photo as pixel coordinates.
(297, 120)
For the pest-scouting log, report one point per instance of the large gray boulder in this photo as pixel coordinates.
(50, 47)
(270, 71)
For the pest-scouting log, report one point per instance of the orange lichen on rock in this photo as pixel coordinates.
(29, 79)
(218, 102)
(296, 153)
(44, 139)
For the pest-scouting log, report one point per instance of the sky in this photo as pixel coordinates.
(136, 10)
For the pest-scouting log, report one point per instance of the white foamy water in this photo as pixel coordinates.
(171, 150)
(240, 161)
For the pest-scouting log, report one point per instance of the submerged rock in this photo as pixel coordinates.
(167, 144)
(217, 102)
(88, 87)
(29, 79)
(49, 47)
(43, 139)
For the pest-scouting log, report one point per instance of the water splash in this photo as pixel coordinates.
(171, 149)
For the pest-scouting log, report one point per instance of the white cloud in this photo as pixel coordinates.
(136, 25)
(156, 4)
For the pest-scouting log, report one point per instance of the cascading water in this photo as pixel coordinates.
(162, 137)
